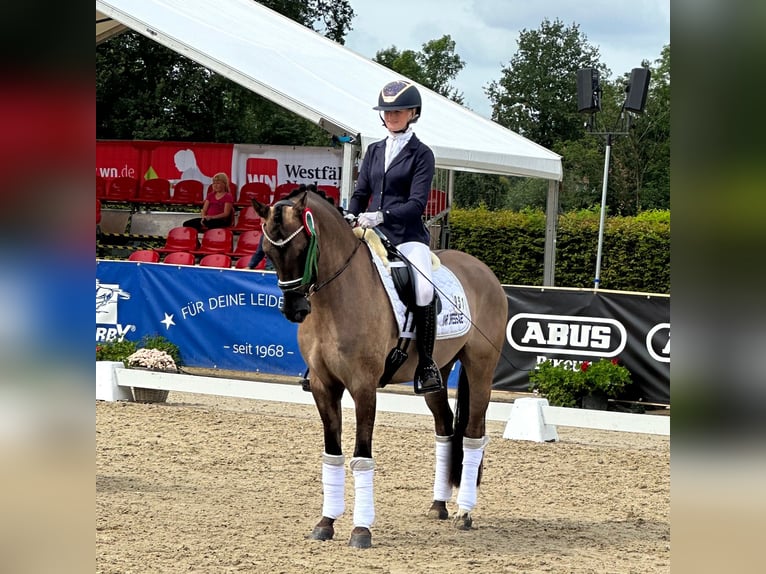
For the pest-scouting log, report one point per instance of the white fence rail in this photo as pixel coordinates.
(389, 402)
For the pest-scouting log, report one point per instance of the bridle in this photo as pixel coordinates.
(308, 283)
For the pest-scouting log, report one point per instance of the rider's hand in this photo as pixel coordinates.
(350, 218)
(370, 219)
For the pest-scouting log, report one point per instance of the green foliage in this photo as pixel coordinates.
(147, 91)
(434, 67)
(120, 350)
(564, 383)
(537, 93)
(115, 350)
(636, 250)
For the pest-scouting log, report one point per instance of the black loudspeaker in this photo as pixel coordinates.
(637, 90)
(588, 90)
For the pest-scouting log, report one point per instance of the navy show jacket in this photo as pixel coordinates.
(401, 192)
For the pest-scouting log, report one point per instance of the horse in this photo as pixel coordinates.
(346, 328)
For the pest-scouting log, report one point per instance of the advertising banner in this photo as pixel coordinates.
(571, 326)
(229, 319)
(174, 161)
(219, 318)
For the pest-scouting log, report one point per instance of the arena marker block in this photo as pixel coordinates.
(526, 422)
(107, 388)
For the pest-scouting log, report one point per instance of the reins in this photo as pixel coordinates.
(314, 288)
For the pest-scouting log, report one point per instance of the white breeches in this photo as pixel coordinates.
(419, 254)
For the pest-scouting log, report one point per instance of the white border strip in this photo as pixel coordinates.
(388, 402)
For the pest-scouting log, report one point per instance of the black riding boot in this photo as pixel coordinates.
(427, 376)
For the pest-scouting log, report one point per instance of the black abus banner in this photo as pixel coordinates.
(573, 325)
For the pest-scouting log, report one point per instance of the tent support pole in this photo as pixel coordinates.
(551, 221)
(347, 177)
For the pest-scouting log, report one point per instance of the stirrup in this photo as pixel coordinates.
(427, 379)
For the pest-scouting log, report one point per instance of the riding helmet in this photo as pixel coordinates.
(399, 95)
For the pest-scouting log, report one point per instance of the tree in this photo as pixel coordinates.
(536, 95)
(643, 156)
(434, 67)
(147, 91)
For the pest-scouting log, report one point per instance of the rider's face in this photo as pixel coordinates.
(397, 119)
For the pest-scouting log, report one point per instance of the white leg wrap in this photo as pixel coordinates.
(473, 451)
(364, 503)
(334, 485)
(442, 487)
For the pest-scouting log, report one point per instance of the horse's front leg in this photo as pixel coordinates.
(328, 403)
(438, 404)
(363, 468)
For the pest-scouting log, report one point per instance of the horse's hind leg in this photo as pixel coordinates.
(478, 376)
(443, 429)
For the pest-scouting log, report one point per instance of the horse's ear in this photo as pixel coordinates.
(261, 208)
(301, 201)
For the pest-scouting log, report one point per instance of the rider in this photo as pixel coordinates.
(391, 194)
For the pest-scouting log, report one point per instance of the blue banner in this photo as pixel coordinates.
(219, 318)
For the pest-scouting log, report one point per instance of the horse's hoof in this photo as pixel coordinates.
(438, 510)
(324, 530)
(360, 538)
(463, 521)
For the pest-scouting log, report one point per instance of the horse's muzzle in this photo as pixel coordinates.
(295, 308)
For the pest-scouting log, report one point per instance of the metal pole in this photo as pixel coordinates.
(551, 219)
(597, 280)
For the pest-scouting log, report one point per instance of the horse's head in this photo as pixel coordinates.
(289, 241)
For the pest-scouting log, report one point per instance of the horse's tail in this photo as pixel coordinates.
(461, 422)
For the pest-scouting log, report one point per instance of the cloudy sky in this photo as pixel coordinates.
(486, 31)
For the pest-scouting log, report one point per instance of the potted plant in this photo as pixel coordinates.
(580, 384)
(152, 352)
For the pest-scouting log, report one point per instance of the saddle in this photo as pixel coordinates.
(403, 275)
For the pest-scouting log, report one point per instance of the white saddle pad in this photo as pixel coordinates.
(453, 320)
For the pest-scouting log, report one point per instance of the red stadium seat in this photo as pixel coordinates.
(216, 260)
(155, 190)
(179, 258)
(145, 255)
(180, 239)
(122, 189)
(247, 243)
(247, 219)
(437, 202)
(254, 190)
(331, 191)
(187, 192)
(218, 240)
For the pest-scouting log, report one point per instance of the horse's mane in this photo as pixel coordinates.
(312, 189)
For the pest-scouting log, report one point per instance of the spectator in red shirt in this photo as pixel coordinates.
(218, 209)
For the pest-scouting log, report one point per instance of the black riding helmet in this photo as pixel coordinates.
(400, 95)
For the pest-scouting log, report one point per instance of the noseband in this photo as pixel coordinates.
(307, 284)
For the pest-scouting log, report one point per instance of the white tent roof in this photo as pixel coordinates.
(321, 80)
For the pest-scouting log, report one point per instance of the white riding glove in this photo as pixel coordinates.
(370, 219)
(350, 218)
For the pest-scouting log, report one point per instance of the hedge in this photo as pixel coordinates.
(635, 252)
